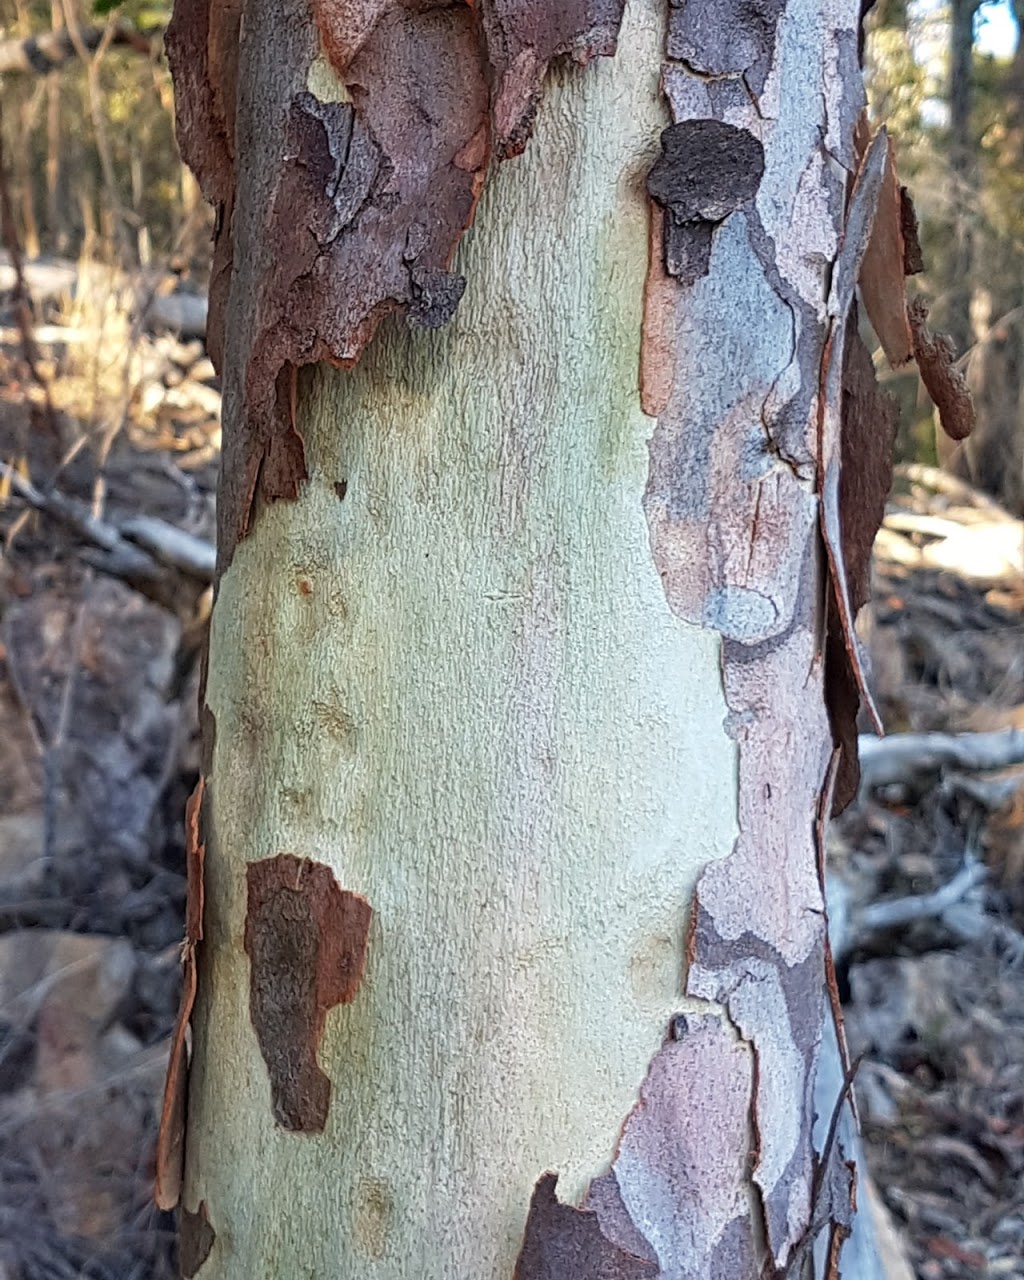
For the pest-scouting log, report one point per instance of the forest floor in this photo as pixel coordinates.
(101, 621)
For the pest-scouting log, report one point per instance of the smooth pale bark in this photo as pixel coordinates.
(462, 688)
(476, 668)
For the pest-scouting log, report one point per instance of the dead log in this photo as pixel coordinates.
(52, 50)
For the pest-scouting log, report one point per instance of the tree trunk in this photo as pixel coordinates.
(526, 663)
(992, 458)
(963, 169)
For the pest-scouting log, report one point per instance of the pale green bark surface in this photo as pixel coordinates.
(462, 688)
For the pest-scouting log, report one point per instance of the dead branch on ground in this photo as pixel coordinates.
(145, 552)
(915, 757)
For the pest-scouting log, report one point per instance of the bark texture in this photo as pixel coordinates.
(449, 672)
(345, 144)
(531, 663)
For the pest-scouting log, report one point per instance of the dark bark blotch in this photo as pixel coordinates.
(306, 939)
(565, 1243)
(195, 1240)
(707, 170)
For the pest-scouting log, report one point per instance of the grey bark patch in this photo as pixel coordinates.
(735, 971)
(687, 1192)
(725, 37)
(688, 250)
(195, 1240)
(707, 169)
(435, 295)
(604, 1197)
(853, 100)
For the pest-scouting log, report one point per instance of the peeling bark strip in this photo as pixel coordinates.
(356, 205)
(306, 941)
(869, 423)
(170, 1149)
(882, 285)
(745, 481)
(195, 1240)
(857, 233)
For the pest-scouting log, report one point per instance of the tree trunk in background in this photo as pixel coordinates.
(524, 661)
(993, 456)
(963, 168)
(56, 227)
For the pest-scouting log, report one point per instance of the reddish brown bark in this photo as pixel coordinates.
(348, 210)
(306, 941)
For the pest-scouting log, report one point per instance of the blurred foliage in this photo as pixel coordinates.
(139, 205)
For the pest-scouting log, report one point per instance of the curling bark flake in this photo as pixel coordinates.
(574, 582)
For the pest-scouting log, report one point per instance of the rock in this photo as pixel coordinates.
(21, 851)
(81, 1105)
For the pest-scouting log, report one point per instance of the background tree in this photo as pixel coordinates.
(88, 120)
(952, 110)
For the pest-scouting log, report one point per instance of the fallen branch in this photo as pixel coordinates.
(957, 909)
(897, 913)
(148, 554)
(939, 481)
(172, 546)
(908, 757)
(53, 49)
(49, 279)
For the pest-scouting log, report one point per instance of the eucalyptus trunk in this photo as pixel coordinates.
(517, 742)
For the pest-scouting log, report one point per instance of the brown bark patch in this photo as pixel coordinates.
(348, 210)
(566, 1243)
(706, 170)
(658, 343)
(882, 273)
(869, 423)
(936, 360)
(306, 939)
(523, 38)
(170, 1149)
(913, 256)
(195, 1240)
